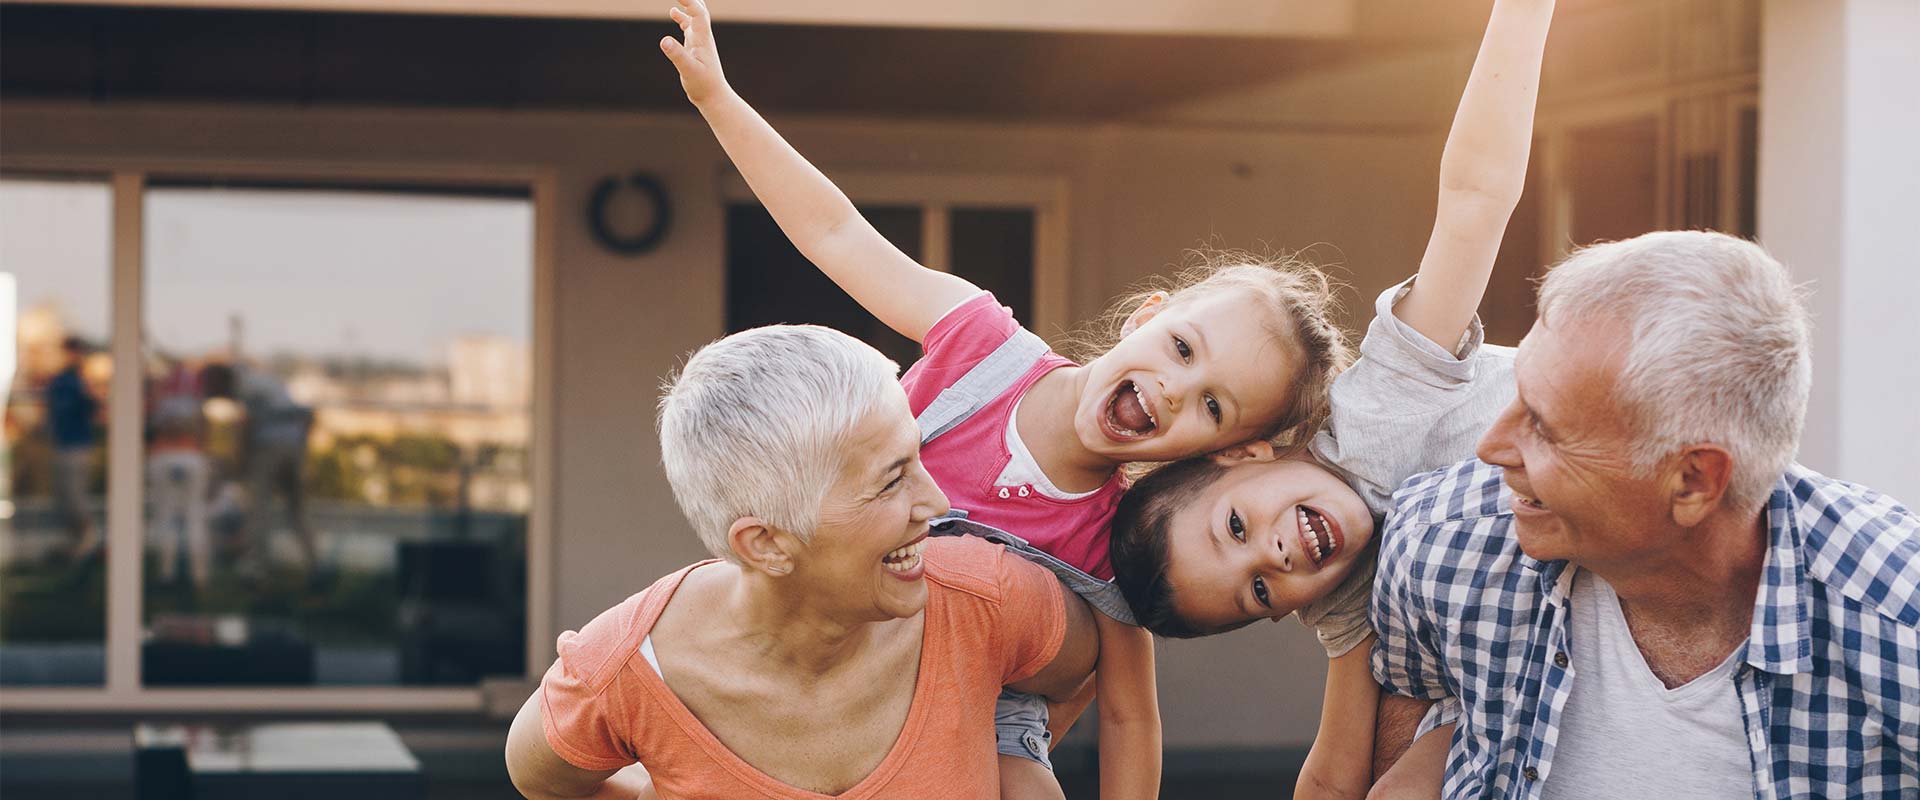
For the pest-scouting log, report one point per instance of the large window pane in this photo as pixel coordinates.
(337, 435)
(993, 247)
(769, 282)
(55, 267)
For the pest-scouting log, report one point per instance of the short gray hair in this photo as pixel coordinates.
(1719, 351)
(756, 424)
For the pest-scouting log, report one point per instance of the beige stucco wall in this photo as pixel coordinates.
(1138, 196)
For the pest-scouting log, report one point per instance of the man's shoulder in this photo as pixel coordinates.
(1466, 493)
(1452, 528)
(1861, 544)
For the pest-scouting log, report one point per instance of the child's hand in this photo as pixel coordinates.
(697, 60)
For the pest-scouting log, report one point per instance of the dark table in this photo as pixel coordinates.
(282, 761)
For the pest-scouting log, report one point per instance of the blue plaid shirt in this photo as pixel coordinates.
(1830, 687)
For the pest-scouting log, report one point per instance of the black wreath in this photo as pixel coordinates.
(636, 244)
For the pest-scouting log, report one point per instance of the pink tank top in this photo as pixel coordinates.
(967, 460)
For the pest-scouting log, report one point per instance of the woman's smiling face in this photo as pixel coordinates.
(865, 556)
(1266, 538)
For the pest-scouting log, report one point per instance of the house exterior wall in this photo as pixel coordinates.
(1138, 196)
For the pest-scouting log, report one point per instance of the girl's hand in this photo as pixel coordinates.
(697, 59)
(814, 213)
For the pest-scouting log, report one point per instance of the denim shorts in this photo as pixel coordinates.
(1020, 727)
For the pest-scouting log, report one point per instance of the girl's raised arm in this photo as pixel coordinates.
(814, 213)
(1482, 172)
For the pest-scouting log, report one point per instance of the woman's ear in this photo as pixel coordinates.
(1149, 307)
(1254, 452)
(761, 547)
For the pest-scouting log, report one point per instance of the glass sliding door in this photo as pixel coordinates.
(338, 415)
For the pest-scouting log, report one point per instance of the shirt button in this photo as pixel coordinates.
(1531, 773)
(1004, 494)
(1560, 660)
(1024, 492)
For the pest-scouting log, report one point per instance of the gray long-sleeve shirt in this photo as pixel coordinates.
(1405, 407)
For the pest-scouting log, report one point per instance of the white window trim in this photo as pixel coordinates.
(936, 194)
(123, 691)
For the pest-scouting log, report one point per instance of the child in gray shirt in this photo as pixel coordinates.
(1208, 545)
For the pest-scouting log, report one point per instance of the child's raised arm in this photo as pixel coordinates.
(814, 213)
(1482, 172)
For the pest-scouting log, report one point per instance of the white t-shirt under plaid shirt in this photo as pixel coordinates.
(1828, 680)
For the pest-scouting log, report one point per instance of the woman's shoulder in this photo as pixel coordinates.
(981, 573)
(964, 564)
(612, 638)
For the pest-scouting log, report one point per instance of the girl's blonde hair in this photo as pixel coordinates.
(1302, 301)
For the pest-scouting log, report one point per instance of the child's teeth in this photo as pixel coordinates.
(1313, 536)
(1143, 405)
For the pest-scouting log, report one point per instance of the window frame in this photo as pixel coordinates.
(1554, 128)
(128, 179)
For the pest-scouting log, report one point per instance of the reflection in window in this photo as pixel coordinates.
(54, 273)
(338, 424)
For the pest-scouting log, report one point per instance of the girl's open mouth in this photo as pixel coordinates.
(1128, 416)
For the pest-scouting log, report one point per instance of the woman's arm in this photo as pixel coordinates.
(814, 213)
(541, 774)
(1482, 172)
(1129, 712)
(1340, 765)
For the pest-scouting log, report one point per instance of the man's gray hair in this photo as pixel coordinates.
(1719, 348)
(756, 424)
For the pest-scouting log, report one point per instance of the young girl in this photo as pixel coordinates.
(1240, 356)
(1209, 545)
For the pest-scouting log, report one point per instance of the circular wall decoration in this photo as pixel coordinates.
(629, 244)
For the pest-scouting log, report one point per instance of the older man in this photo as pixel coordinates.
(1638, 593)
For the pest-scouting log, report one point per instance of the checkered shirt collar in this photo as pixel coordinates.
(1781, 640)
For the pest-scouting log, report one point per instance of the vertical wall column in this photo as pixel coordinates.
(1840, 205)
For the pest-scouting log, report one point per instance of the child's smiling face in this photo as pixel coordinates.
(1188, 378)
(1269, 536)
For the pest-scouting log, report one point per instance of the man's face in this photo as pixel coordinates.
(866, 551)
(1564, 446)
(1242, 549)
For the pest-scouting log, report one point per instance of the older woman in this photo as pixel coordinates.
(830, 648)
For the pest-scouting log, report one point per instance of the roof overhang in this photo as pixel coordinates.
(1256, 18)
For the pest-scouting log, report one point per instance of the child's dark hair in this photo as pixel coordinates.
(1140, 544)
(1303, 304)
